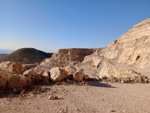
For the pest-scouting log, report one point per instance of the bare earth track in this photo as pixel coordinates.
(98, 98)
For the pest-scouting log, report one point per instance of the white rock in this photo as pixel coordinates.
(58, 74)
(70, 69)
(12, 67)
(78, 75)
(51, 97)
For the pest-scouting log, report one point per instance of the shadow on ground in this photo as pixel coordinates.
(37, 89)
(100, 84)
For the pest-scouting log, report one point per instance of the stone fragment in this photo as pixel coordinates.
(52, 97)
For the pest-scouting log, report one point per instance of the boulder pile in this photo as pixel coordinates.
(14, 76)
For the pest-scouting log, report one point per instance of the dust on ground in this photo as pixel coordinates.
(99, 97)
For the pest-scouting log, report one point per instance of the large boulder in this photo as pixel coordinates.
(17, 81)
(32, 77)
(12, 67)
(58, 74)
(70, 69)
(9, 80)
(128, 56)
(46, 77)
(78, 75)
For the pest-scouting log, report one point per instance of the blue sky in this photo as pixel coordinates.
(49, 25)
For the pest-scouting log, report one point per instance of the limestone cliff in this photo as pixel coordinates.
(127, 56)
(65, 57)
(138, 35)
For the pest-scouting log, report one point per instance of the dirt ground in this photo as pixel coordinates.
(97, 98)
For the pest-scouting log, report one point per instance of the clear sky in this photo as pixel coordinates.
(49, 25)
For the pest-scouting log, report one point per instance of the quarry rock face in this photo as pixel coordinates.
(127, 56)
(137, 36)
(64, 57)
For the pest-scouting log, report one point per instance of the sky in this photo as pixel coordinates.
(49, 25)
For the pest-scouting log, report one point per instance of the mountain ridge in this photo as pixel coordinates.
(26, 56)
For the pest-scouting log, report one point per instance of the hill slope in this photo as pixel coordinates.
(26, 56)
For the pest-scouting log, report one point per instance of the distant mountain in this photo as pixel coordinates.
(26, 56)
(2, 54)
(6, 51)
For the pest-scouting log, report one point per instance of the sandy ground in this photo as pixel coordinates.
(98, 98)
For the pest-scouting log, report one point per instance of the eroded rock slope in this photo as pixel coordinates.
(126, 57)
(64, 57)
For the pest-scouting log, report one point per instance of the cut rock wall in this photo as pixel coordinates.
(65, 57)
(127, 56)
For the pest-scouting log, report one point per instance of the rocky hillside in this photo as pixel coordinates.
(129, 56)
(26, 56)
(65, 57)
